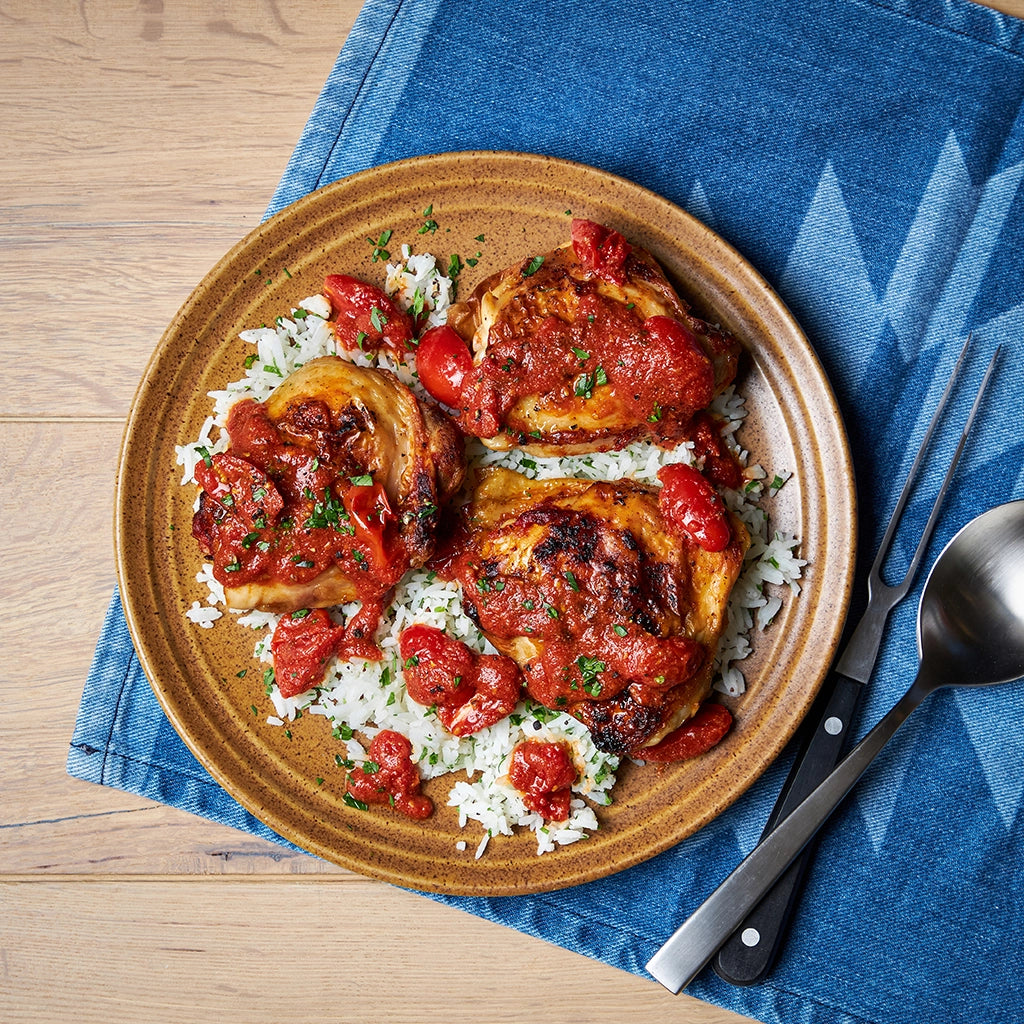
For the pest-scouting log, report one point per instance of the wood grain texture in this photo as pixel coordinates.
(141, 140)
(158, 950)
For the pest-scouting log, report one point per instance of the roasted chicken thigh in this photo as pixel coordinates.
(611, 613)
(586, 348)
(329, 491)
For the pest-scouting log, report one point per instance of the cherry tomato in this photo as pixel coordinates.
(694, 737)
(691, 505)
(544, 774)
(443, 361)
(470, 691)
(365, 318)
(389, 776)
(497, 685)
(370, 510)
(600, 249)
(438, 670)
(302, 644)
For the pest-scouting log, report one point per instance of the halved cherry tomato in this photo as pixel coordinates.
(438, 669)
(302, 644)
(690, 504)
(544, 774)
(600, 249)
(443, 361)
(694, 737)
(365, 318)
(469, 690)
(370, 511)
(497, 685)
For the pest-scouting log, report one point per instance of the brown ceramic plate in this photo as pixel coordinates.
(520, 204)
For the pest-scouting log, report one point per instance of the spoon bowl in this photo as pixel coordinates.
(970, 625)
(970, 632)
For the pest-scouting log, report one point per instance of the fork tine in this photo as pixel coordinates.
(908, 484)
(898, 590)
(948, 479)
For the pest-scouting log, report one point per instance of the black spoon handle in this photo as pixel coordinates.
(750, 952)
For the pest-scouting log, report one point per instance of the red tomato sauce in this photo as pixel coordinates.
(589, 345)
(389, 776)
(365, 318)
(544, 774)
(719, 463)
(469, 690)
(588, 654)
(283, 504)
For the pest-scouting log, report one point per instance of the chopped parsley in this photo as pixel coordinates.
(589, 669)
(586, 382)
(429, 224)
(379, 252)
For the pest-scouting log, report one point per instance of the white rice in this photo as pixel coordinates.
(367, 697)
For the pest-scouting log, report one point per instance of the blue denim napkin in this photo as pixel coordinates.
(867, 158)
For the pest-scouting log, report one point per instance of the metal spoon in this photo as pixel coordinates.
(970, 632)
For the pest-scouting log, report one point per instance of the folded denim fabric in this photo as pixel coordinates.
(866, 158)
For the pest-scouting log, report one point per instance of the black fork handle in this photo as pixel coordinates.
(752, 949)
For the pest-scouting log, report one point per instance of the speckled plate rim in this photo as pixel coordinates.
(519, 202)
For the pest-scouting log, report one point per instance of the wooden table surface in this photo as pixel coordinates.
(141, 141)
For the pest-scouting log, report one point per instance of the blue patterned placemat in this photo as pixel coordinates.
(867, 158)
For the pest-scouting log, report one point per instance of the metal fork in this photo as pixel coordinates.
(748, 954)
